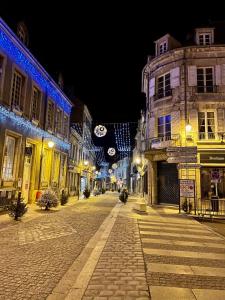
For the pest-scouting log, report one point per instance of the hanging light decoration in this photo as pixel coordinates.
(110, 171)
(111, 151)
(114, 166)
(100, 131)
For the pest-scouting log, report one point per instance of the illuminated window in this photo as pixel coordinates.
(206, 125)
(9, 158)
(35, 104)
(205, 80)
(164, 127)
(50, 116)
(17, 89)
(164, 89)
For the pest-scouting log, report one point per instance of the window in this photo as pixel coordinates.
(205, 80)
(9, 158)
(35, 104)
(204, 39)
(50, 116)
(162, 48)
(164, 89)
(66, 126)
(17, 89)
(206, 125)
(1, 72)
(59, 120)
(164, 127)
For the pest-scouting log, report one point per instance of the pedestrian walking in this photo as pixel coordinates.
(123, 196)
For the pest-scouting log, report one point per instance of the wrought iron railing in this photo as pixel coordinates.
(211, 207)
(161, 142)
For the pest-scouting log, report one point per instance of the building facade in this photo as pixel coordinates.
(185, 97)
(81, 121)
(34, 123)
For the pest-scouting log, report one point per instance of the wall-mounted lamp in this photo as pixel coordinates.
(51, 144)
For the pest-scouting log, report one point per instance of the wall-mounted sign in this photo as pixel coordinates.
(212, 158)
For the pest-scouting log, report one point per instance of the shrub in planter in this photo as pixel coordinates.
(86, 193)
(64, 198)
(17, 208)
(48, 199)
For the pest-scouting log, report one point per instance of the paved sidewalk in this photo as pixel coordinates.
(159, 255)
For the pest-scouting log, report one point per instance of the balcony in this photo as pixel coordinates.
(161, 142)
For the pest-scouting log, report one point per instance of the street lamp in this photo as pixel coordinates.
(86, 162)
(188, 128)
(138, 160)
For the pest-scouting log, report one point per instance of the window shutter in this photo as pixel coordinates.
(218, 75)
(175, 122)
(223, 74)
(175, 77)
(220, 120)
(152, 127)
(192, 75)
(145, 85)
(152, 87)
(193, 118)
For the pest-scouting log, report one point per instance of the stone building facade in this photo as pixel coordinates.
(185, 97)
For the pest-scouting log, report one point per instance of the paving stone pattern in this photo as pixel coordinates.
(120, 272)
(35, 255)
(181, 253)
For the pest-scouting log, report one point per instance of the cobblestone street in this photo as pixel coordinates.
(101, 249)
(36, 254)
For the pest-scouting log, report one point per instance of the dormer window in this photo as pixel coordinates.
(204, 39)
(162, 47)
(204, 36)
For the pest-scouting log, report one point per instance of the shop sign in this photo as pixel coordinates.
(212, 158)
(187, 188)
(182, 159)
(188, 166)
(189, 150)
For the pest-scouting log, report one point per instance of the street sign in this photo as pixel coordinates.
(181, 159)
(188, 166)
(187, 188)
(182, 149)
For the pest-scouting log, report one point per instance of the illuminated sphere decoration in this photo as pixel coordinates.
(100, 131)
(114, 166)
(111, 151)
(110, 171)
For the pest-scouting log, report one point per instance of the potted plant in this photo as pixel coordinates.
(64, 198)
(17, 208)
(86, 193)
(48, 199)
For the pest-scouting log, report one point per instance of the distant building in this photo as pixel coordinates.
(81, 121)
(34, 122)
(185, 98)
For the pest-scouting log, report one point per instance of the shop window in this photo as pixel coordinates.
(9, 158)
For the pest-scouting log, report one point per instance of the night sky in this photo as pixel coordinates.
(101, 49)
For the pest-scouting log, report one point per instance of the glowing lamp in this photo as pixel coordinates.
(138, 160)
(51, 144)
(188, 128)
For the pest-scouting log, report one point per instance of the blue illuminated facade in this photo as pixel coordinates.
(21, 56)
